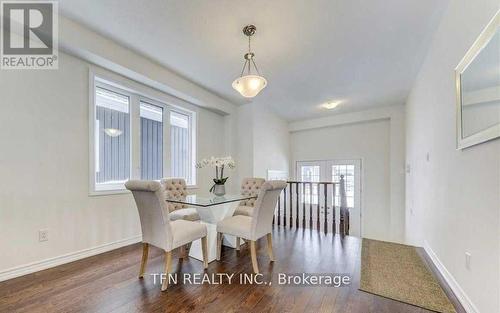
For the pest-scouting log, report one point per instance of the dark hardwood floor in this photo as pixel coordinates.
(109, 283)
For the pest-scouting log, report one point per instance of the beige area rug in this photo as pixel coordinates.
(397, 272)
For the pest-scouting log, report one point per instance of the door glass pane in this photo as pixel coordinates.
(151, 141)
(310, 173)
(348, 171)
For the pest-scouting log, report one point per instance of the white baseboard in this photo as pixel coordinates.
(65, 258)
(450, 280)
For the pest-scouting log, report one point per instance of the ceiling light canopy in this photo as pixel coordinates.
(249, 85)
(330, 105)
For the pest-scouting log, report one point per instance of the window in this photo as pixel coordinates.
(181, 146)
(151, 141)
(129, 140)
(112, 139)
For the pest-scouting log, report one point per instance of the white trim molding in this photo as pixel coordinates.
(450, 280)
(65, 258)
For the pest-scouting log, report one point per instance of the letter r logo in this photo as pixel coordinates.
(27, 28)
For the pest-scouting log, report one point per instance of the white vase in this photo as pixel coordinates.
(219, 190)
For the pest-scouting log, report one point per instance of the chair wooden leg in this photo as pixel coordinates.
(219, 245)
(204, 249)
(182, 252)
(145, 250)
(188, 248)
(237, 243)
(253, 253)
(168, 266)
(270, 247)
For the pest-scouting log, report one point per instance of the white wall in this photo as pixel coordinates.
(271, 142)
(453, 196)
(377, 138)
(259, 140)
(44, 167)
(239, 144)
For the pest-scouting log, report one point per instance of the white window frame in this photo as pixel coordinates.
(112, 188)
(137, 93)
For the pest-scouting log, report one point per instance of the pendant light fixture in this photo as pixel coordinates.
(249, 85)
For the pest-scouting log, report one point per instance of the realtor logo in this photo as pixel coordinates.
(29, 35)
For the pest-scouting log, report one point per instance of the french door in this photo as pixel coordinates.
(331, 171)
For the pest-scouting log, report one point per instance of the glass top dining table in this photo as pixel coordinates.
(211, 210)
(207, 201)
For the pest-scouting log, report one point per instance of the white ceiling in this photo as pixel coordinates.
(364, 52)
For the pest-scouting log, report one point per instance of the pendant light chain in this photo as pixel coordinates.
(249, 53)
(250, 59)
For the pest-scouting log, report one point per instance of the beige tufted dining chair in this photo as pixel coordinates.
(157, 228)
(254, 227)
(249, 187)
(175, 188)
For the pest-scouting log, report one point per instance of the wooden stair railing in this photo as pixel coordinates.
(292, 209)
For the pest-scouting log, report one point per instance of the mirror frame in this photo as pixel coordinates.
(493, 131)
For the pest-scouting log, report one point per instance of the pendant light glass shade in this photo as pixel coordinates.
(249, 85)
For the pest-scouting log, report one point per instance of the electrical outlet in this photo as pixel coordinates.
(468, 257)
(43, 235)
